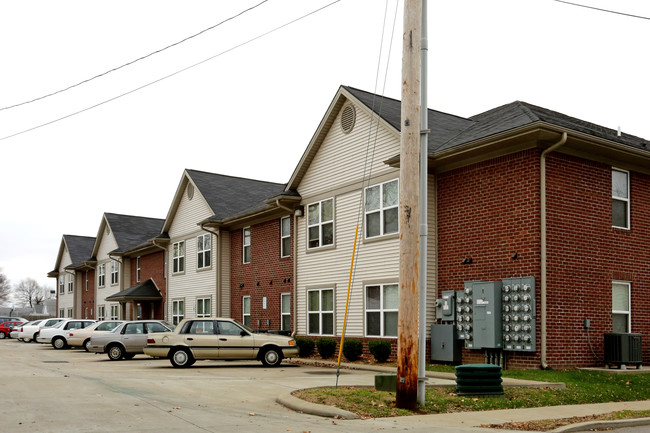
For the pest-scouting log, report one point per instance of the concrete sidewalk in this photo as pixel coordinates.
(474, 419)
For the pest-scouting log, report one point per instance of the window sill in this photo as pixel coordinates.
(323, 248)
(380, 238)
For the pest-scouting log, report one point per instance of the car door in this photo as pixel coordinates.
(201, 337)
(134, 337)
(234, 341)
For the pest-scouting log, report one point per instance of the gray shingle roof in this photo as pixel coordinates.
(80, 248)
(133, 231)
(143, 291)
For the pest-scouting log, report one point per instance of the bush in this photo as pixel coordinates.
(380, 349)
(326, 347)
(306, 346)
(352, 349)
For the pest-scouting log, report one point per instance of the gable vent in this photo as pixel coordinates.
(190, 191)
(348, 117)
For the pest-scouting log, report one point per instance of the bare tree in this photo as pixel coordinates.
(29, 292)
(5, 287)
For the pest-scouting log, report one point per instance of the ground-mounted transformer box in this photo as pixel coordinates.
(444, 346)
(446, 306)
(486, 321)
(465, 315)
(518, 304)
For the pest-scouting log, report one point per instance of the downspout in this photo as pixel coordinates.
(542, 182)
(219, 286)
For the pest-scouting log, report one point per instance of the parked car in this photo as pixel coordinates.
(219, 338)
(56, 335)
(128, 339)
(81, 337)
(7, 327)
(29, 331)
(12, 319)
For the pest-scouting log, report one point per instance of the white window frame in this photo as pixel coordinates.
(61, 312)
(285, 238)
(622, 199)
(115, 312)
(101, 312)
(320, 312)
(203, 253)
(62, 284)
(178, 257)
(246, 312)
(101, 275)
(246, 245)
(381, 210)
(285, 313)
(70, 283)
(137, 269)
(178, 311)
(201, 304)
(627, 312)
(382, 310)
(115, 272)
(70, 312)
(317, 222)
(86, 288)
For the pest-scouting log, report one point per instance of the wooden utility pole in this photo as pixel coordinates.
(409, 219)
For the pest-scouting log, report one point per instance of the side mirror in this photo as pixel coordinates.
(243, 333)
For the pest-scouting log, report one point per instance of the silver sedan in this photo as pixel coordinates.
(127, 340)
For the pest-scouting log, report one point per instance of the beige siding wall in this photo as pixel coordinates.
(106, 245)
(225, 275)
(66, 300)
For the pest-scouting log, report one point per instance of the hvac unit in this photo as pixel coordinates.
(622, 349)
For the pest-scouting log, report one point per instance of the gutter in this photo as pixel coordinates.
(542, 182)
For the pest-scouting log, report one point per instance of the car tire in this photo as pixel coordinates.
(129, 355)
(2, 335)
(115, 352)
(86, 345)
(59, 343)
(181, 358)
(272, 357)
(27, 340)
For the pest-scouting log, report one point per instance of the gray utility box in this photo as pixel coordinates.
(443, 344)
(486, 303)
(446, 306)
(518, 301)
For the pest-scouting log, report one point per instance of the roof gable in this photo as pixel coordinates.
(79, 248)
(128, 231)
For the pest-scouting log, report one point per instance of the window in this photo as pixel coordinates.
(381, 310)
(229, 328)
(178, 257)
(178, 311)
(134, 328)
(62, 284)
(621, 307)
(201, 327)
(86, 281)
(137, 269)
(70, 283)
(381, 209)
(246, 310)
(115, 272)
(285, 311)
(101, 313)
(101, 275)
(285, 237)
(61, 312)
(247, 245)
(203, 250)
(85, 312)
(115, 312)
(320, 223)
(320, 311)
(203, 307)
(620, 199)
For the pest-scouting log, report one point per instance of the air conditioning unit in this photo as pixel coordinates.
(623, 349)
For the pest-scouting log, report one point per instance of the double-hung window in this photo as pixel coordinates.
(246, 245)
(285, 236)
(246, 310)
(101, 275)
(115, 271)
(178, 311)
(320, 312)
(101, 312)
(320, 223)
(137, 269)
(203, 251)
(620, 198)
(62, 284)
(70, 283)
(621, 312)
(381, 310)
(203, 307)
(285, 311)
(178, 257)
(382, 209)
(115, 312)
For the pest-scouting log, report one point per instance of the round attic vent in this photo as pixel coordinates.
(348, 118)
(190, 191)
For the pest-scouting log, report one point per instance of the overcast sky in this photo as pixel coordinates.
(251, 110)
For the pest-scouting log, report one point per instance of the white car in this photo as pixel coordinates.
(56, 335)
(29, 331)
(81, 337)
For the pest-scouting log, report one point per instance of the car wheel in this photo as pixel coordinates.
(272, 357)
(115, 352)
(86, 345)
(59, 343)
(26, 340)
(181, 358)
(129, 355)
(2, 335)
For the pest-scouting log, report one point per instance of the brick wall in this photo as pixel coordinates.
(88, 296)
(267, 275)
(151, 266)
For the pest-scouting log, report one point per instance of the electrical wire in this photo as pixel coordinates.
(136, 60)
(172, 74)
(602, 10)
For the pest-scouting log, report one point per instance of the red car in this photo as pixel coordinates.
(6, 327)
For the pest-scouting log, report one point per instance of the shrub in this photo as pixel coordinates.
(380, 349)
(352, 349)
(306, 346)
(326, 347)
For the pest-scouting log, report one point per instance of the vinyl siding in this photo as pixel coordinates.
(225, 275)
(67, 299)
(107, 244)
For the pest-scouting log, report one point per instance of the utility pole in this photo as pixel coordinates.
(409, 217)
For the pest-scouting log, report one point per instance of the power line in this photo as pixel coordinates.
(172, 74)
(136, 60)
(603, 10)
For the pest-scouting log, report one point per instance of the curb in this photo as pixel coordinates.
(590, 425)
(294, 403)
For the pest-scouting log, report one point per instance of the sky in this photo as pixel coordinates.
(245, 97)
